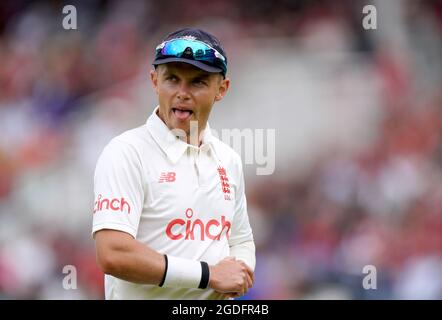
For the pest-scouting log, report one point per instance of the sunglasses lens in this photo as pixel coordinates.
(192, 49)
(181, 47)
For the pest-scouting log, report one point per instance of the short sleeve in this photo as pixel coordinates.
(118, 189)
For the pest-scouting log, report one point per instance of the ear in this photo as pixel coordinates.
(223, 88)
(154, 79)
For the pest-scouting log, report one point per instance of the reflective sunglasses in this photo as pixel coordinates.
(186, 48)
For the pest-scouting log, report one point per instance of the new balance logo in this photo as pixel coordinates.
(167, 177)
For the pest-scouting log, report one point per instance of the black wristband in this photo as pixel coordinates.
(205, 274)
(165, 272)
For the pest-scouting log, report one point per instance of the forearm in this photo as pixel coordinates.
(245, 251)
(120, 255)
(126, 258)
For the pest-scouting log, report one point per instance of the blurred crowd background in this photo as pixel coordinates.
(357, 114)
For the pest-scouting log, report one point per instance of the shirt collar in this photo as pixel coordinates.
(173, 146)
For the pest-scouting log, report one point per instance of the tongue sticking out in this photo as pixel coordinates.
(182, 115)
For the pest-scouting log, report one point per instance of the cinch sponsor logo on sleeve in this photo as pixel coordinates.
(212, 229)
(114, 204)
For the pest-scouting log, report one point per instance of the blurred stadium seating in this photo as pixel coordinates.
(357, 114)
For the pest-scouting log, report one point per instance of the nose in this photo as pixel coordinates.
(183, 91)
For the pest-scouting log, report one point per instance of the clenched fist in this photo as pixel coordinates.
(231, 277)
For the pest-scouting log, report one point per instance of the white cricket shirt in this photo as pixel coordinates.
(178, 199)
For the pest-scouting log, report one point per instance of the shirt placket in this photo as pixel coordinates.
(195, 156)
(202, 162)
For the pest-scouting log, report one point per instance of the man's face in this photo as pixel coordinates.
(186, 93)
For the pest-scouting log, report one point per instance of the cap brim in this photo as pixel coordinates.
(195, 63)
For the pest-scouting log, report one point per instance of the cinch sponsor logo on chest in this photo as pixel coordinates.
(114, 204)
(205, 229)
